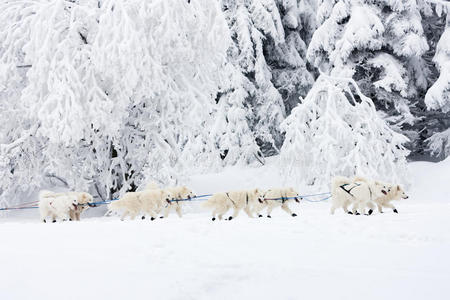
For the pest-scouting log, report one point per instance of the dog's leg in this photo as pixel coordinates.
(153, 214)
(235, 214)
(269, 210)
(362, 208)
(389, 205)
(124, 215)
(380, 208)
(166, 211)
(248, 212)
(286, 208)
(371, 207)
(345, 207)
(214, 212)
(333, 209)
(178, 210)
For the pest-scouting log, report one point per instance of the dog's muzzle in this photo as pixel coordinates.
(384, 192)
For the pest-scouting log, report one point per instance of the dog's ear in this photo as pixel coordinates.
(256, 191)
(398, 188)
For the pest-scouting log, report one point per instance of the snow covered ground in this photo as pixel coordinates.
(312, 256)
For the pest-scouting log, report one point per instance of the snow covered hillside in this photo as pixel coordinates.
(312, 256)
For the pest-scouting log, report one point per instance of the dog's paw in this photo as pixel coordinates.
(143, 217)
(294, 215)
(230, 218)
(269, 216)
(350, 213)
(213, 219)
(54, 221)
(370, 211)
(395, 210)
(259, 216)
(162, 217)
(152, 218)
(357, 214)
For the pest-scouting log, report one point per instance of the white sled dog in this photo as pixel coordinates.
(56, 205)
(278, 197)
(220, 203)
(148, 201)
(84, 202)
(179, 193)
(346, 191)
(394, 192)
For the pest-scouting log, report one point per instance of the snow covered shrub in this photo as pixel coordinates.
(439, 143)
(337, 131)
(105, 94)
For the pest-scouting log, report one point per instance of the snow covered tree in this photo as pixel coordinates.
(438, 95)
(269, 40)
(337, 131)
(103, 95)
(380, 44)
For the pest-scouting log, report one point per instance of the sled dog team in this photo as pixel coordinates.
(358, 192)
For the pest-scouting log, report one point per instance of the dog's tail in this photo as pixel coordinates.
(46, 194)
(340, 180)
(360, 179)
(211, 202)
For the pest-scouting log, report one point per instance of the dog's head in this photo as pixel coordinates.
(259, 195)
(167, 196)
(400, 192)
(187, 193)
(381, 189)
(74, 203)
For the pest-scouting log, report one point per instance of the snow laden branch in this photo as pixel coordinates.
(336, 130)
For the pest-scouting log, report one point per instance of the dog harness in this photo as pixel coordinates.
(349, 190)
(231, 199)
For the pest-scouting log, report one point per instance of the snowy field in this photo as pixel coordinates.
(312, 256)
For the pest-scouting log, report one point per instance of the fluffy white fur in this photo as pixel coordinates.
(178, 192)
(56, 205)
(148, 202)
(360, 193)
(152, 186)
(220, 203)
(277, 193)
(84, 199)
(393, 192)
